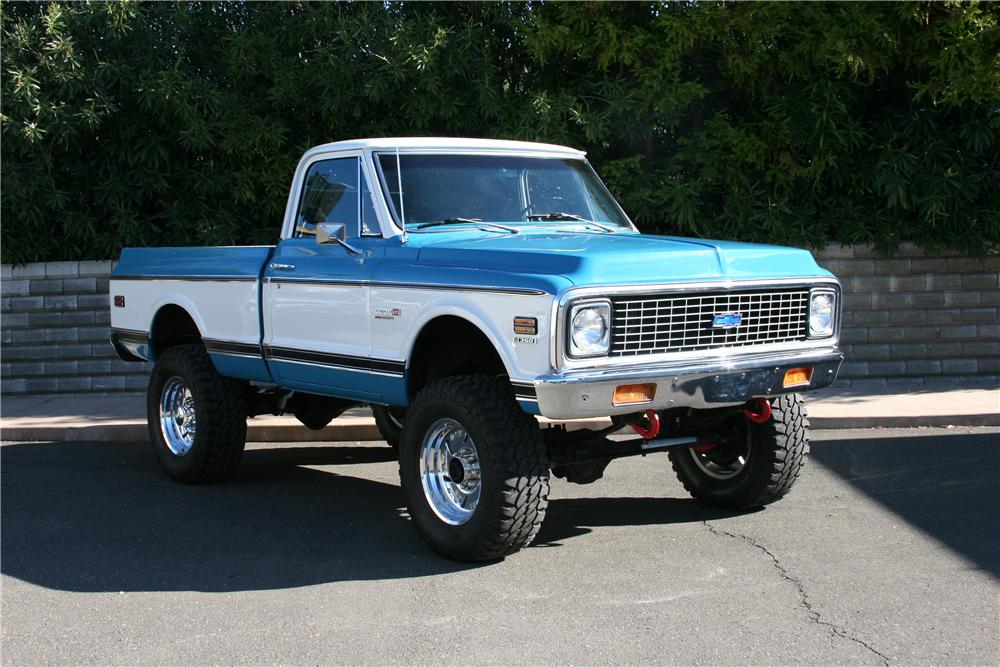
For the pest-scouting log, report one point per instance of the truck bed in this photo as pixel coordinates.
(220, 287)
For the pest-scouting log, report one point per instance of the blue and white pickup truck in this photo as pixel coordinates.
(463, 288)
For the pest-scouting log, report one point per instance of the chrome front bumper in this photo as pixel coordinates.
(704, 383)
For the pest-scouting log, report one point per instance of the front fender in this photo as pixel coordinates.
(492, 313)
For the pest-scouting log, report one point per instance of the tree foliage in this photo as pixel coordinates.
(172, 124)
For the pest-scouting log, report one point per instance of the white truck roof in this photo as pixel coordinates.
(445, 144)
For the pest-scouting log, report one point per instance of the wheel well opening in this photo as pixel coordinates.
(450, 345)
(173, 326)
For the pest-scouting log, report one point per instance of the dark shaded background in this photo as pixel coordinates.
(160, 124)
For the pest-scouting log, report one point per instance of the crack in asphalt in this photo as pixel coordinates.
(804, 600)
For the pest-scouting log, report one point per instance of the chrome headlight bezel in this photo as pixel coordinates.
(830, 329)
(601, 307)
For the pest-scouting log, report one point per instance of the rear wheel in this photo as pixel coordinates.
(473, 469)
(754, 464)
(389, 421)
(196, 417)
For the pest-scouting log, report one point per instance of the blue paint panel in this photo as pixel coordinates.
(411, 263)
(549, 259)
(392, 390)
(243, 368)
(531, 407)
(144, 350)
(318, 379)
(223, 262)
(327, 381)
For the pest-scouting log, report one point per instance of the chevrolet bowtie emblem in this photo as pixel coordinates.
(726, 321)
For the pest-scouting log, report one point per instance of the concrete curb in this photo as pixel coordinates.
(357, 429)
(364, 429)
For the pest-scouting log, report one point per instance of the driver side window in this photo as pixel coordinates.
(331, 193)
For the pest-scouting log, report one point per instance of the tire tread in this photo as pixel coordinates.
(521, 464)
(788, 428)
(221, 406)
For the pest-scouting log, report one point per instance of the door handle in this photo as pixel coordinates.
(282, 267)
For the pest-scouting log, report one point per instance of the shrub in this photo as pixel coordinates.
(176, 124)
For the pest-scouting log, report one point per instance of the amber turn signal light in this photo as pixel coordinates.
(526, 325)
(797, 377)
(633, 394)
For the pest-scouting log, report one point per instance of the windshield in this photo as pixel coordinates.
(447, 189)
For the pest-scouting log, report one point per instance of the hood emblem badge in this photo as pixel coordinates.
(727, 321)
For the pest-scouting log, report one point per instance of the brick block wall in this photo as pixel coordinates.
(54, 331)
(914, 319)
(917, 318)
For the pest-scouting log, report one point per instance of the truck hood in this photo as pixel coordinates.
(586, 258)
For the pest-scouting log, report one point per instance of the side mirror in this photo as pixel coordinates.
(331, 232)
(334, 232)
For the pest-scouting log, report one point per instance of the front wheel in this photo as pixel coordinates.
(755, 465)
(197, 418)
(473, 469)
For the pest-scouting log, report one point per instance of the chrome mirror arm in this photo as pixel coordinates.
(334, 232)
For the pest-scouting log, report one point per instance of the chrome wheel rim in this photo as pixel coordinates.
(449, 472)
(724, 462)
(178, 420)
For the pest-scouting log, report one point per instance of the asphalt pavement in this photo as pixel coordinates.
(887, 551)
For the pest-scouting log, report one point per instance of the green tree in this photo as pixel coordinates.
(175, 124)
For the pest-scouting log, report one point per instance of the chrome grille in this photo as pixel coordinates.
(657, 323)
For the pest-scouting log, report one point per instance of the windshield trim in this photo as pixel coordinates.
(394, 218)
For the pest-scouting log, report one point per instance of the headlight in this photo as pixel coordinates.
(822, 311)
(589, 329)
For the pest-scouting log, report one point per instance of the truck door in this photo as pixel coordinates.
(316, 297)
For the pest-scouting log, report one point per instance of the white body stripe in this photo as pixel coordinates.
(360, 319)
(224, 310)
(492, 313)
(319, 318)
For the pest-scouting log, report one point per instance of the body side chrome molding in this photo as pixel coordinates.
(524, 391)
(343, 361)
(524, 291)
(388, 367)
(232, 347)
(130, 335)
(315, 281)
(119, 337)
(200, 278)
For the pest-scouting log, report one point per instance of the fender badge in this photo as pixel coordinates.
(387, 313)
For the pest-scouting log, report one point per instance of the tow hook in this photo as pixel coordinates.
(649, 426)
(759, 411)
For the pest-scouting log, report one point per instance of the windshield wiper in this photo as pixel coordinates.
(556, 215)
(559, 215)
(467, 221)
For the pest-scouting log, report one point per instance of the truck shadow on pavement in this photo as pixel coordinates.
(571, 517)
(101, 517)
(91, 516)
(944, 485)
